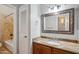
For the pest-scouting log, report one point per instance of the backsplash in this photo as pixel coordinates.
(72, 37)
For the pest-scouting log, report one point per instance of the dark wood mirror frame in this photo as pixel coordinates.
(71, 22)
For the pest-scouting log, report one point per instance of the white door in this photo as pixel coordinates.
(23, 29)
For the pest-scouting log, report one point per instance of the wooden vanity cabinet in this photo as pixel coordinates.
(36, 48)
(43, 49)
(59, 51)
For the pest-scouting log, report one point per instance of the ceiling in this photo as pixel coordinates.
(6, 10)
(17, 5)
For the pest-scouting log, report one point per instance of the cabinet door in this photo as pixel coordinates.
(59, 51)
(36, 48)
(45, 49)
(41, 49)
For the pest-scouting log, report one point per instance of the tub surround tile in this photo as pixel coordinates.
(4, 50)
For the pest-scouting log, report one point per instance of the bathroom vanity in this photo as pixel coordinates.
(44, 49)
(54, 46)
(61, 22)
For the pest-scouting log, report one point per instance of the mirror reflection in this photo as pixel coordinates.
(57, 22)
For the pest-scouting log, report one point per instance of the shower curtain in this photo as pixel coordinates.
(6, 27)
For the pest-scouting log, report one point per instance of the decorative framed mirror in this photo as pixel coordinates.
(61, 22)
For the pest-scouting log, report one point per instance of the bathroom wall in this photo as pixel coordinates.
(78, 24)
(44, 10)
(35, 20)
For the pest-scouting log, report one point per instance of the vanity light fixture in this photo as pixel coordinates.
(54, 8)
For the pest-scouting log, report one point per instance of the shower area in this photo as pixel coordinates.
(7, 31)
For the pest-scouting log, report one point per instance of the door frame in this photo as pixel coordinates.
(28, 34)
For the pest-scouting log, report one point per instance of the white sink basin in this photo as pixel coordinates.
(53, 42)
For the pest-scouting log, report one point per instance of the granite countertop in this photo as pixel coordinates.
(68, 46)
